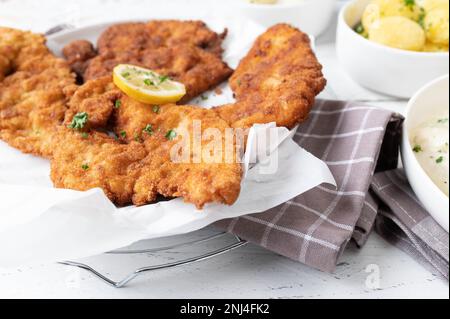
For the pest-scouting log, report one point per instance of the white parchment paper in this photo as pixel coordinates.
(40, 224)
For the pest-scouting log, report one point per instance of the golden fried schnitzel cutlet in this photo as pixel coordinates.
(187, 51)
(160, 33)
(203, 175)
(95, 98)
(198, 70)
(139, 164)
(32, 98)
(78, 53)
(277, 81)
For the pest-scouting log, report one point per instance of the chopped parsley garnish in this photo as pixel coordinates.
(442, 121)
(421, 19)
(410, 3)
(137, 138)
(204, 98)
(239, 82)
(123, 134)
(85, 167)
(156, 109)
(163, 78)
(118, 104)
(148, 129)
(148, 82)
(126, 74)
(84, 135)
(440, 159)
(171, 134)
(79, 121)
(359, 28)
(417, 148)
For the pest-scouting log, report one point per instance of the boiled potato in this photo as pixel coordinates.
(433, 47)
(436, 25)
(398, 32)
(401, 8)
(429, 5)
(370, 16)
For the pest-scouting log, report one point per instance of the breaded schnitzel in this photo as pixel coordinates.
(197, 69)
(202, 175)
(187, 51)
(277, 81)
(78, 53)
(96, 98)
(140, 164)
(160, 33)
(32, 98)
(83, 162)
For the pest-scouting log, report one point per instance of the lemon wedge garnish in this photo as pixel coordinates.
(147, 86)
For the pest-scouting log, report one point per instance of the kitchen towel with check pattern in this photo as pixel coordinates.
(406, 224)
(314, 228)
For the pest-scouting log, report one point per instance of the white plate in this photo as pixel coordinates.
(431, 99)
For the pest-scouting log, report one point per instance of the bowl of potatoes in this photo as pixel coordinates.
(394, 47)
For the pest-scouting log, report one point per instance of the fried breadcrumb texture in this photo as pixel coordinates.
(136, 152)
(277, 81)
(178, 168)
(32, 97)
(186, 51)
(155, 152)
(78, 53)
(96, 98)
(83, 162)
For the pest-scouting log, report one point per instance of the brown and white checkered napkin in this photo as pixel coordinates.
(314, 228)
(406, 224)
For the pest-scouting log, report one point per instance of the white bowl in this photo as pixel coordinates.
(380, 68)
(431, 99)
(310, 16)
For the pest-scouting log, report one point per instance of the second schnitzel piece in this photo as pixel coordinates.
(141, 36)
(197, 69)
(85, 161)
(96, 99)
(32, 96)
(169, 150)
(190, 156)
(78, 53)
(187, 51)
(277, 81)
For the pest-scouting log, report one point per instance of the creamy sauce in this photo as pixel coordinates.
(430, 145)
(275, 1)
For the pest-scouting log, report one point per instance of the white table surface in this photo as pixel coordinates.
(251, 271)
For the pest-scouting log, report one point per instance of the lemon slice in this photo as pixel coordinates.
(147, 86)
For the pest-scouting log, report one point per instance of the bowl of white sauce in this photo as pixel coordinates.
(310, 16)
(425, 148)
